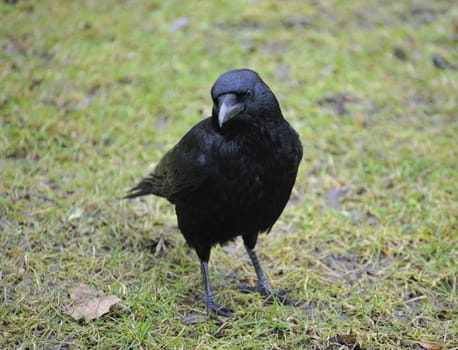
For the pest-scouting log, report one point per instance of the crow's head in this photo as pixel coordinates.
(241, 95)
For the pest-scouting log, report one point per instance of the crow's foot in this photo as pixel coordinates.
(214, 308)
(269, 293)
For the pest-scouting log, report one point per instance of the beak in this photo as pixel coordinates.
(229, 107)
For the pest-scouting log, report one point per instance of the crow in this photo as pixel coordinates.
(230, 175)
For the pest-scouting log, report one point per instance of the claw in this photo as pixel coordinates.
(215, 309)
(268, 293)
(281, 296)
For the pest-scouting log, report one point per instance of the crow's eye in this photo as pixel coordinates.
(249, 92)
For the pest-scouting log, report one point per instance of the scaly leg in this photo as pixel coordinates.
(213, 307)
(263, 287)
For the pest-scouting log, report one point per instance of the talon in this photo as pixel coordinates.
(270, 294)
(215, 309)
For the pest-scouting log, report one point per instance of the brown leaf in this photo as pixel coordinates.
(89, 304)
(429, 346)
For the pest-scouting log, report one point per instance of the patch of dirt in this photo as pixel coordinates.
(350, 268)
(13, 45)
(252, 25)
(423, 13)
(339, 102)
(336, 197)
(350, 341)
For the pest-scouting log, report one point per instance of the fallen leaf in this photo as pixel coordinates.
(194, 318)
(89, 304)
(429, 346)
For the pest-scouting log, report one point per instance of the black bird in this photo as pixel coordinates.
(231, 174)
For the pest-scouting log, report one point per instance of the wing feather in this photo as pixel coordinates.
(181, 170)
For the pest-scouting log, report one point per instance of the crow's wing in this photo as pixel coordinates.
(183, 168)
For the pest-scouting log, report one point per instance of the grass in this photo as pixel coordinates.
(92, 92)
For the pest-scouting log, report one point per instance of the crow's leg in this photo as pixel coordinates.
(263, 287)
(214, 309)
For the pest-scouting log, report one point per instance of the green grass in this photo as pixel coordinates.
(92, 92)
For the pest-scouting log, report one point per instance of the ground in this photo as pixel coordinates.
(92, 92)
